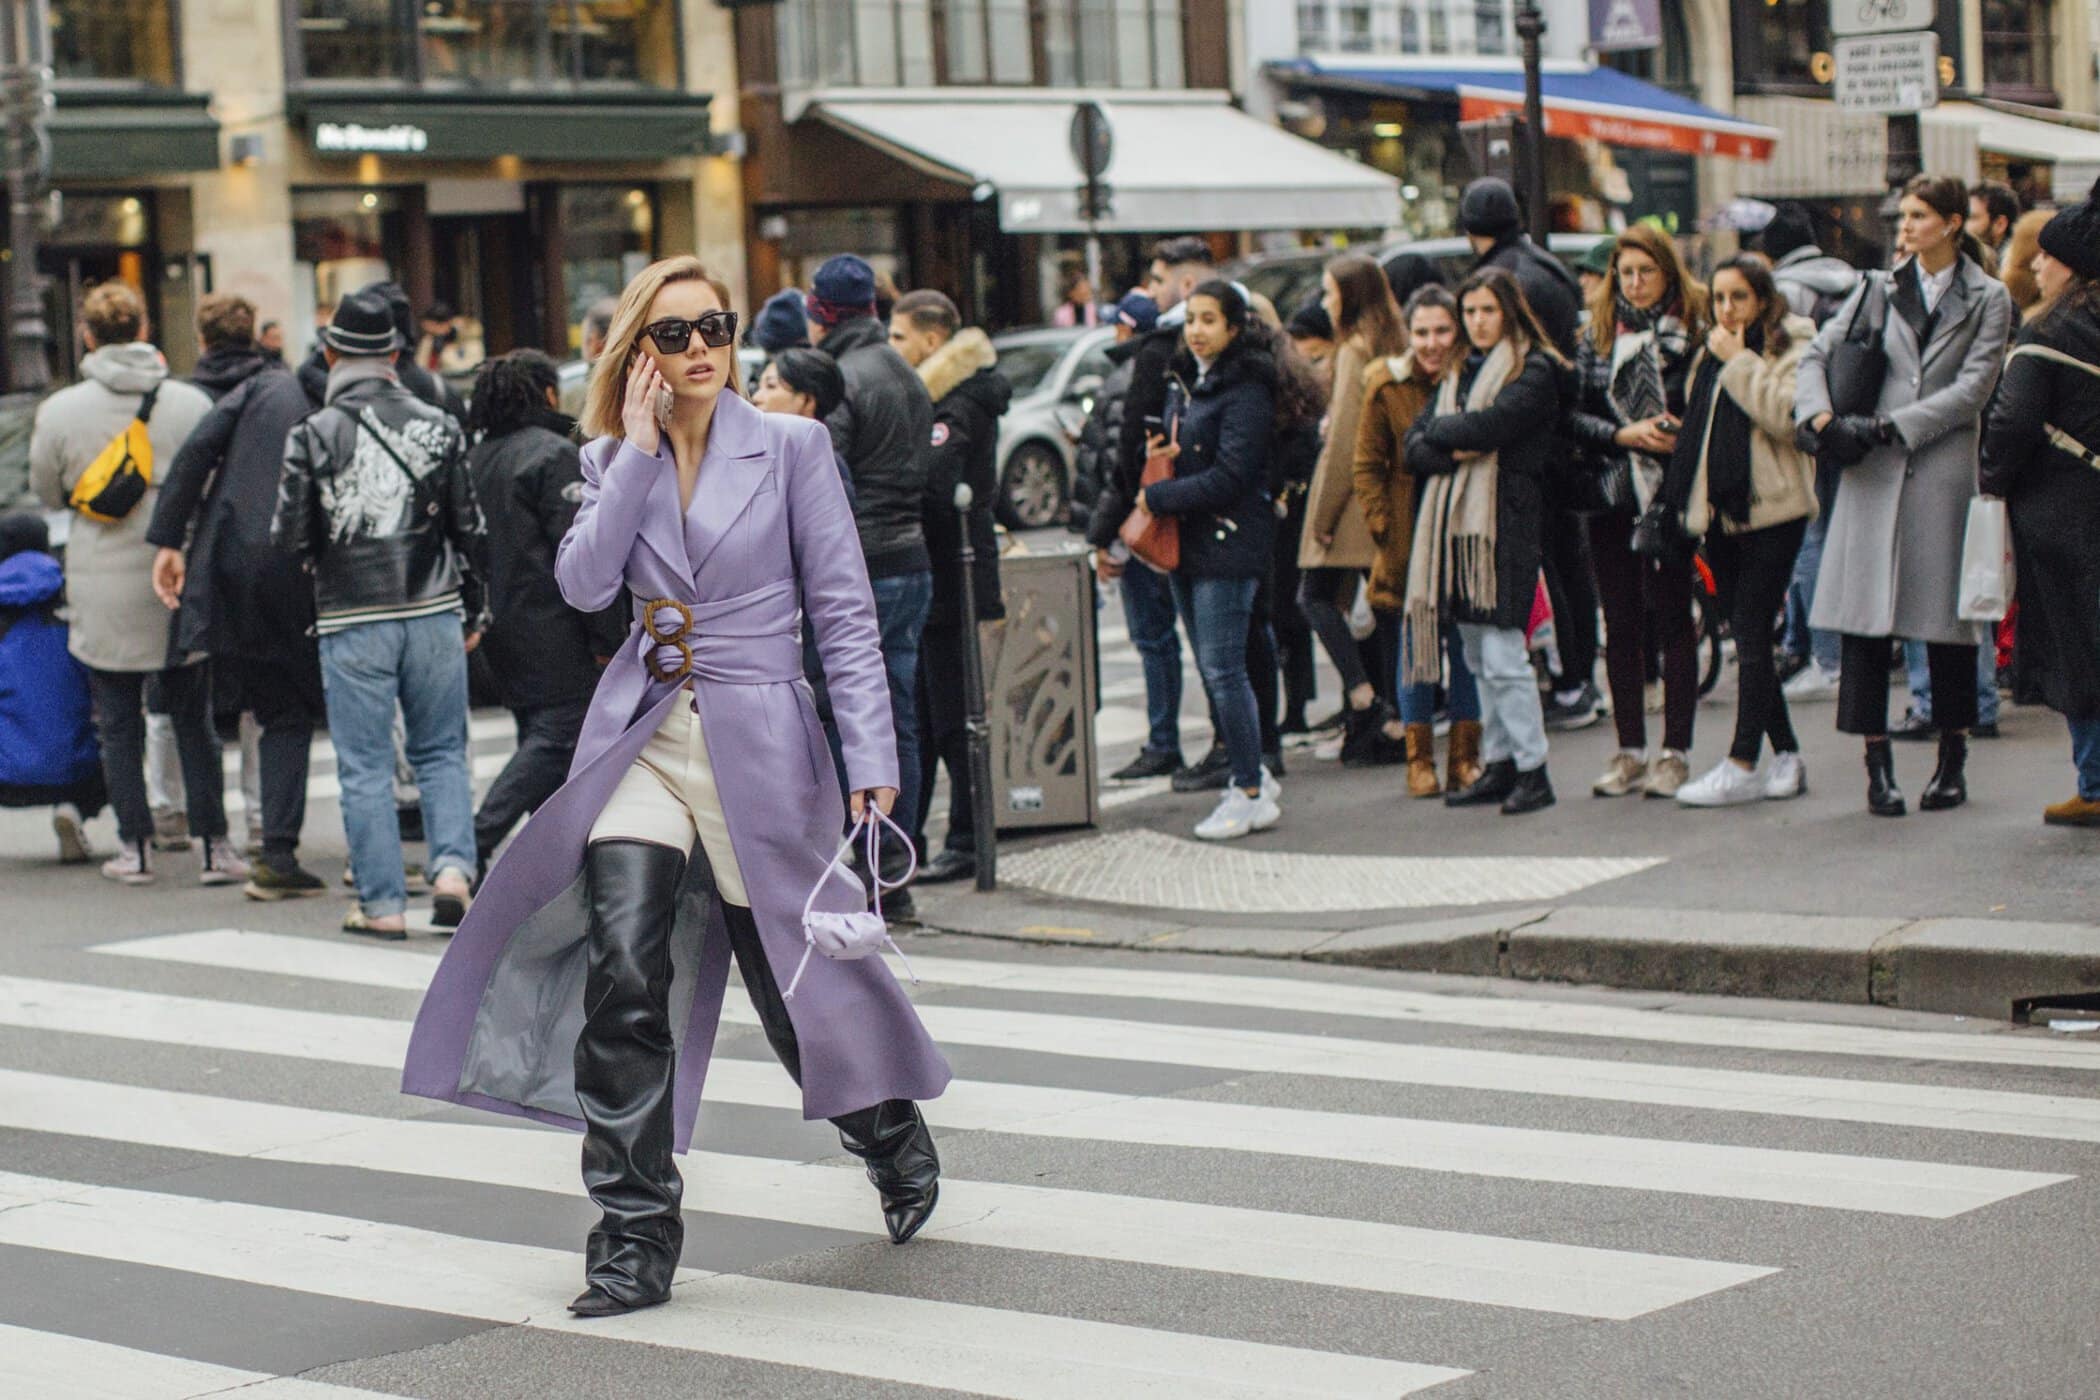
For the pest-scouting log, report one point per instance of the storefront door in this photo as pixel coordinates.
(482, 265)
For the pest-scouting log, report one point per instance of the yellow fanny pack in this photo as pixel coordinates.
(116, 481)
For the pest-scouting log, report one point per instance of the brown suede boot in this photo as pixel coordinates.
(1421, 761)
(1462, 763)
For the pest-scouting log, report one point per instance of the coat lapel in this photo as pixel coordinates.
(1955, 308)
(730, 474)
(1908, 297)
(660, 523)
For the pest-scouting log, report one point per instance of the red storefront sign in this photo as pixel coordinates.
(1623, 126)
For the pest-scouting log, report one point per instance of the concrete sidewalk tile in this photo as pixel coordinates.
(1793, 957)
(1469, 945)
(1980, 967)
(1002, 915)
(1253, 942)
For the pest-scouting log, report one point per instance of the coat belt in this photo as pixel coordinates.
(753, 638)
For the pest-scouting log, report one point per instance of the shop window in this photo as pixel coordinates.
(1494, 27)
(1777, 41)
(912, 43)
(2019, 50)
(113, 41)
(342, 240)
(516, 45)
(608, 235)
(1669, 66)
(965, 40)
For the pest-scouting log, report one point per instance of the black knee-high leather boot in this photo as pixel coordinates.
(624, 1075)
(892, 1137)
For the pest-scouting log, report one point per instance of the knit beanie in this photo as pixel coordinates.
(843, 288)
(2073, 236)
(1489, 208)
(781, 324)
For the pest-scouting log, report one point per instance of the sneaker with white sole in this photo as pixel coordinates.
(130, 865)
(1810, 684)
(1626, 773)
(1271, 789)
(222, 864)
(1787, 777)
(1726, 785)
(70, 829)
(1238, 815)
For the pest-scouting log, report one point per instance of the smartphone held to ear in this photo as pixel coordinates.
(664, 400)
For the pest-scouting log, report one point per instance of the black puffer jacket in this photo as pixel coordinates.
(881, 431)
(1096, 491)
(1220, 491)
(2053, 498)
(1508, 427)
(529, 483)
(969, 396)
(242, 596)
(379, 545)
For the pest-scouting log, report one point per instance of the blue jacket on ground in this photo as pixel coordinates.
(47, 733)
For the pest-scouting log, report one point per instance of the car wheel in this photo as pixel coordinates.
(1033, 490)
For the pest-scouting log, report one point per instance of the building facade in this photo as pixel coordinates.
(517, 159)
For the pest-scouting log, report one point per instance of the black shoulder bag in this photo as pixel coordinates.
(1859, 362)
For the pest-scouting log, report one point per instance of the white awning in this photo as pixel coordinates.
(1191, 162)
(2074, 150)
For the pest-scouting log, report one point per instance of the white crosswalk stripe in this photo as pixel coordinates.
(1056, 1025)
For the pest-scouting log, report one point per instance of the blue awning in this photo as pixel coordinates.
(1599, 103)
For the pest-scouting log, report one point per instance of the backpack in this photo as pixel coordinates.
(116, 481)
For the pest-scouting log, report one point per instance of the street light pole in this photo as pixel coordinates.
(25, 87)
(976, 726)
(1530, 26)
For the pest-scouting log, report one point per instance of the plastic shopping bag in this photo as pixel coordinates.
(1986, 563)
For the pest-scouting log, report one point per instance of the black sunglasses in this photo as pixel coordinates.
(673, 334)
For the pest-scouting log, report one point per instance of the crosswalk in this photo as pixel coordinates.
(1160, 1182)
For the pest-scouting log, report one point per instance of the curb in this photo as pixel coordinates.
(1962, 966)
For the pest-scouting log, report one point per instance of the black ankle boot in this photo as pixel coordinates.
(1533, 793)
(1950, 784)
(1884, 798)
(624, 1076)
(893, 1139)
(1494, 785)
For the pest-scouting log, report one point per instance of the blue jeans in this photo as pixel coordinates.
(901, 604)
(1219, 613)
(1801, 640)
(2085, 752)
(1148, 611)
(1921, 681)
(1514, 723)
(1418, 702)
(366, 671)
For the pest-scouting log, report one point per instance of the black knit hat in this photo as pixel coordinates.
(362, 325)
(1489, 208)
(2073, 236)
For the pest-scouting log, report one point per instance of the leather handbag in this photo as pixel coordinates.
(1153, 540)
(859, 933)
(1859, 362)
(1601, 482)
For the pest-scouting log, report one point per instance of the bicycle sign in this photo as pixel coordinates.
(1849, 17)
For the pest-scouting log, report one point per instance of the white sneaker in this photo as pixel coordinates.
(68, 826)
(129, 866)
(1811, 683)
(1726, 785)
(1787, 777)
(222, 864)
(1271, 789)
(1238, 815)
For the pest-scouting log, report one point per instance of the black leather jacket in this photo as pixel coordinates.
(881, 432)
(376, 544)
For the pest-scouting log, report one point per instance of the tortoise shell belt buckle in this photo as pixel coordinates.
(668, 634)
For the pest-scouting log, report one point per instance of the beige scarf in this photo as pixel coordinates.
(1453, 559)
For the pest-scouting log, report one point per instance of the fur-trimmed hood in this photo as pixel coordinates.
(967, 351)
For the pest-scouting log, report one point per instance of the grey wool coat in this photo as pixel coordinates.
(1892, 564)
(118, 623)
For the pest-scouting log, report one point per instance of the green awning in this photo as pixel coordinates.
(120, 136)
(401, 126)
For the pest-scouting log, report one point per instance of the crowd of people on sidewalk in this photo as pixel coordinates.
(1408, 477)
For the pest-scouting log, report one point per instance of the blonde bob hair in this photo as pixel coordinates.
(606, 400)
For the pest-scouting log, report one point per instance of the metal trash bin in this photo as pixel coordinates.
(1041, 684)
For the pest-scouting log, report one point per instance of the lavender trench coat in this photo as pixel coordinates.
(769, 529)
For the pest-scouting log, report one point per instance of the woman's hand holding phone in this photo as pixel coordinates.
(639, 417)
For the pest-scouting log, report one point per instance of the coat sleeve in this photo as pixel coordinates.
(1961, 403)
(1425, 458)
(1519, 410)
(1333, 474)
(1812, 381)
(2012, 433)
(591, 565)
(1246, 422)
(1375, 460)
(1147, 398)
(840, 606)
(467, 531)
(182, 484)
(547, 492)
(47, 460)
(296, 526)
(1593, 421)
(1764, 389)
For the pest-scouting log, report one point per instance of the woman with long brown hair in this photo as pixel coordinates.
(1738, 479)
(1633, 361)
(1336, 550)
(1479, 455)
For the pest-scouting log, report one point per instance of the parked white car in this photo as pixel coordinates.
(1054, 372)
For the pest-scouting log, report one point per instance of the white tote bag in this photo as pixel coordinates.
(862, 933)
(1986, 563)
